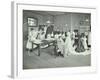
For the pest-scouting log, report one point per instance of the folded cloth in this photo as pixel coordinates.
(44, 46)
(38, 41)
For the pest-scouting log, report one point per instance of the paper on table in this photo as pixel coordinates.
(50, 39)
(38, 41)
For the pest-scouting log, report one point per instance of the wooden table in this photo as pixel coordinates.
(47, 42)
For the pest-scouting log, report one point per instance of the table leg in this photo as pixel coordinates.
(38, 50)
(55, 48)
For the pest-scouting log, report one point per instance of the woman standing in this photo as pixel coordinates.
(89, 39)
(69, 49)
(80, 45)
(31, 38)
(85, 42)
(29, 43)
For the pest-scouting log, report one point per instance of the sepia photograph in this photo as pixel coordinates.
(56, 39)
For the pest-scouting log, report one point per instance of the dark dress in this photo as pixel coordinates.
(80, 47)
(49, 30)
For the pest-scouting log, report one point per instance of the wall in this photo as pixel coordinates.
(72, 20)
(40, 17)
(77, 18)
(60, 22)
(75, 21)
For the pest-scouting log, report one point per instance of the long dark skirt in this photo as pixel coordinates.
(80, 47)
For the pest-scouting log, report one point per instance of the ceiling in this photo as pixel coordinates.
(53, 13)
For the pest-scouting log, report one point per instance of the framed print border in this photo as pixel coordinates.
(16, 54)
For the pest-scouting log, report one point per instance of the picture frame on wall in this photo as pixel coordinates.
(48, 63)
(32, 22)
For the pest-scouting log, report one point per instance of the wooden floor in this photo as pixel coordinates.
(48, 60)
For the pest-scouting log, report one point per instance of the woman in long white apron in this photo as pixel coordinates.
(29, 43)
(31, 38)
(69, 49)
(84, 42)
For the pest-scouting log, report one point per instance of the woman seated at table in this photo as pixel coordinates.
(56, 35)
(60, 45)
(63, 35)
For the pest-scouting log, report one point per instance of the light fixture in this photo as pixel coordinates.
(87, 20)
(48, 22)
(66, 24)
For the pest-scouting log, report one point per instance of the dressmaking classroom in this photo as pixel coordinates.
(54, 39)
